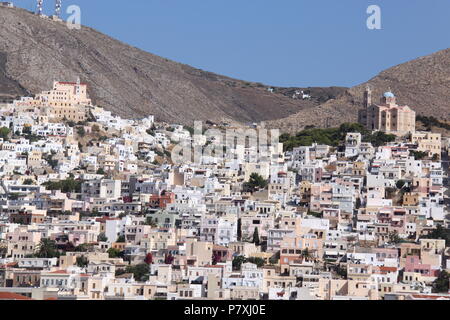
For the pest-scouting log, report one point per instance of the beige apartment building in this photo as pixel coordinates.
(410, 199)
(428, 142)
(34, 159)
(67, 100)
(330, 289)
(200, 252)
(272, 279)
(65, 94)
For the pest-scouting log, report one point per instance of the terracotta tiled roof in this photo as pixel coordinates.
(213, 266)
(219, 247)
(10, 264)
(12, 296)
(434, 297)
(59, 272)
(388, 269)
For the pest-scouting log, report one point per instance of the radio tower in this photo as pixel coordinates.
(39, 7)
(58, 6)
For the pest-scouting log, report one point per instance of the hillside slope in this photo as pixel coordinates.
(423, 84)
(128, 81)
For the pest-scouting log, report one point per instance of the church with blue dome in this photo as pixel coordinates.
(387, 116)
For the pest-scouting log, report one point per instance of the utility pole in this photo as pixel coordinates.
(39, 7)
(58, 6)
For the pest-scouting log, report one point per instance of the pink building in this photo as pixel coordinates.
(413, 264)
(387, 116)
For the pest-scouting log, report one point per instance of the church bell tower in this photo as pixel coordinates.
(367, 97)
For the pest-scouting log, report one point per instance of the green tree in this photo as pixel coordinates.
(441, 284)
(237, 262)
(400, 184)
(256, 237)
(51, 162)
(69, 247)
(394, 237)
(439, 233)
(379, 138)
(306, 254)
(4, 133)
(81, 132)
(255, 183)
(256, 260)
(95, 128)
(275, 258)
(239, 229)
(150, 222)
(390, 192)
(102, 237)
(315, 214)
(122, 215)
(333, 136)
(82, 262)
(13, 196)
(47, 249)
(120, 272)
(3, 251)
(67, 186)
(190, 130)
(430, 122)
(114, 253)
(418, 155)
(26, 130)
(84, 247)
(341, 271)
(28, 182)
(121, 239)
(139, 271)
(358, 203)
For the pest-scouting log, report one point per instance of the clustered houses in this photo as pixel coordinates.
(89, 209)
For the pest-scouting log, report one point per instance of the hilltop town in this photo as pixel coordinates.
(93, 207)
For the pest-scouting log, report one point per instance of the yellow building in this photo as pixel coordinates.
(428, 142)
(410, 199)
(359, 168)
(67, 100)
(65, 94)
(272, 279)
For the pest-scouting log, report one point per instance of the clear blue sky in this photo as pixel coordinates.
(277, 42)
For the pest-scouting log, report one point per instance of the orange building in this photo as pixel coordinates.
(161, 200)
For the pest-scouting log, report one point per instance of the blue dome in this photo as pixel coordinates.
(389, 95)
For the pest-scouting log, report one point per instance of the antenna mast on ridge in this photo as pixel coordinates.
(58, 6)
(39, 7)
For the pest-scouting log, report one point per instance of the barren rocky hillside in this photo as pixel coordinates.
(423, 84)
(130, 82)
